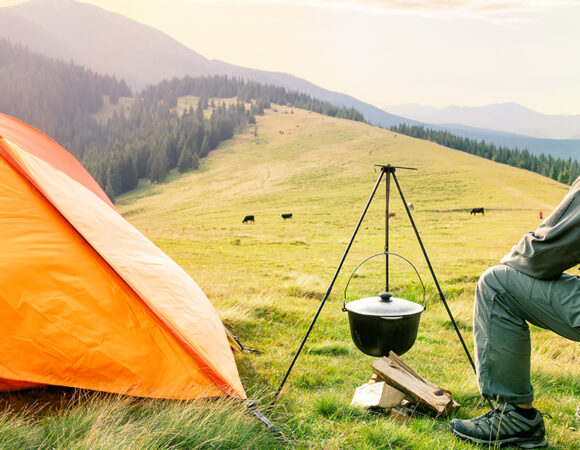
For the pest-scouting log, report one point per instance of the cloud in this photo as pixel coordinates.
(499, 11)
(474, 6)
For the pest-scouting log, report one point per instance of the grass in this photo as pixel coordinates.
(266, 281)
(99, 421)
(124, 104)
(108, 110)
(190, 101)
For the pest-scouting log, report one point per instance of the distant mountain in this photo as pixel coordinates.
(412, 110)
(558, 148)
(507, 117)
(110, 43)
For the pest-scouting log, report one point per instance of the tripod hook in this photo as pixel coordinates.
(389, 168)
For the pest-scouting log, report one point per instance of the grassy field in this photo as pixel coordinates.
(184, 103)
(107, 111)
(266, 280)
(190, 101)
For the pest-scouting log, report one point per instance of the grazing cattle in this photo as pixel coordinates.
(474, 211)
(410, 206)
(286, 216)
(248, 219)
(392, 214)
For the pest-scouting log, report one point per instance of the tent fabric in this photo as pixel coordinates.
(88, 301)
(25, 136)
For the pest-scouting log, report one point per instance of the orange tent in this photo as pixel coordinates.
(86, 300)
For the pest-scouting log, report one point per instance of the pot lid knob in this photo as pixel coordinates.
(385, 296)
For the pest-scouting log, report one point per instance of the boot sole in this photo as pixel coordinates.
(520, 442)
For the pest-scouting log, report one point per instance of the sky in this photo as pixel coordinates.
(390, 52)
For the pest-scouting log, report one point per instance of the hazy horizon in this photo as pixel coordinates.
(389, 52)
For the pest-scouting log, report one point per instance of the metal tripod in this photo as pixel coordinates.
(389, 171)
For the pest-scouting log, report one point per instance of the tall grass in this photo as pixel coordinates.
(85, 420)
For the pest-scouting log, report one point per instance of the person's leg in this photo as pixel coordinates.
(505, 300)
(502, 426)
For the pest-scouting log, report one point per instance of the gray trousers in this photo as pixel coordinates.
(505, 300)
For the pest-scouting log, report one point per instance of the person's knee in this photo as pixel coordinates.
(490, 281)
(494, 273)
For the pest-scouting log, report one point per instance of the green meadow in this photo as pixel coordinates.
(267, 278)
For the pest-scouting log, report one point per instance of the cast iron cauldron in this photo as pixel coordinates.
(383, 323)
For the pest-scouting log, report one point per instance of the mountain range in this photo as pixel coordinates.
(110, 43)
(505, 117)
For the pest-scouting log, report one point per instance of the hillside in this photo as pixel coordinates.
(321, 170)
(54, 96)
(266, 279)
(120, 138)
(557, 148)
(110, 43)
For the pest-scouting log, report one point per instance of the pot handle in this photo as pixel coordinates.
(424, 304)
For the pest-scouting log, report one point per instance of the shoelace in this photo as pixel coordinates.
(486, 417)
(501, 412)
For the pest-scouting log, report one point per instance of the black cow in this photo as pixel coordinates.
(286, 216)
(248, 219)
(474, 211)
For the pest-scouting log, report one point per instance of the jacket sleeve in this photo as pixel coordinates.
(555, 246)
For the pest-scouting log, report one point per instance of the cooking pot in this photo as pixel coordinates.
(383, 323)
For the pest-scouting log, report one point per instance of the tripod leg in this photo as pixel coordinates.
(329, 289)
(489, 402)
(433, 274)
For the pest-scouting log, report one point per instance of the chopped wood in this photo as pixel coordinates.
(428, 397)
(401, 414)
(374, 378)
(377, 395)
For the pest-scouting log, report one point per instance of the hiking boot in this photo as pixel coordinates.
(502, 426)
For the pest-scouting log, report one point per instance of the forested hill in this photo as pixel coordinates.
(562, 170)
(154, 136)
(54, 96)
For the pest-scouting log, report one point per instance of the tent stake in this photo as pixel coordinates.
(253, 407)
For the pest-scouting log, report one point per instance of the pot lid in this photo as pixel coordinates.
(384, 305)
